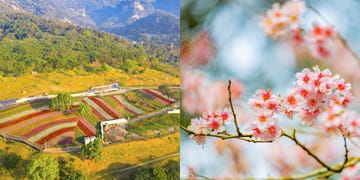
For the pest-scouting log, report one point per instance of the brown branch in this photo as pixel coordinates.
(321, 172)
(232, 110)
(346, 159)
(293, 138)
(244, 137)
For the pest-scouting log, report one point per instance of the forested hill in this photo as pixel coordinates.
(29, 43)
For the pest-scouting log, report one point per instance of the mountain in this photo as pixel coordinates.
(159, 23)
(171, 6)
(108, 15)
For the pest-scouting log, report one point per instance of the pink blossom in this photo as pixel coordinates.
(321, 40)
(280, 20)
(315, 94)
(198, 126)
(199, 139)
(199, 51)
(201, 94)
(330, 120)
(350, 121)
(192, 173)
(264, 100)
(267, 132)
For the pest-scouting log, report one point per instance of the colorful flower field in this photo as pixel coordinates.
(157, 95)
(41, 125)
(129, 107)
(48, 128)
(87, 128)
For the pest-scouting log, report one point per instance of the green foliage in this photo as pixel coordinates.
(84, 110)
(11, 160)
(166, 90)
(132, 67)
(159, 173)
(161, 123)
(61, 102)
(170, 171)
(105, 67)
(68, 171)
(43, 168)
(29, 43)
(142, 174)
(92, 150)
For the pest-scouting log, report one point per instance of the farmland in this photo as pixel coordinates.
(37, 124)
(115, 156)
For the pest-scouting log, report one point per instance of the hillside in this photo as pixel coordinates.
(158, 23)
(29, 43)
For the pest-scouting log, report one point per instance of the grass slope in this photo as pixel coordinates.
(77, 81)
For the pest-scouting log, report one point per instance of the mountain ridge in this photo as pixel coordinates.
(101, 14)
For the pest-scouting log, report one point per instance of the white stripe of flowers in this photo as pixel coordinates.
(128, 105)
(23, 113)
(98, 108)
(47, 131)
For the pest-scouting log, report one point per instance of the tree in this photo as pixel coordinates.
(62, 102)
(172, 169)
(11, 160)
(142, 174)
(165, 89)
(68, 172)
(93, 150)
(84, 110)
(43, 168)
(159, 173)
(152, 173)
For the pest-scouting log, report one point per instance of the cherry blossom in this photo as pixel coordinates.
(331, 119)
(265, 131)
(199, 139)
(192, 173)
(321, 40)
(316, 94)
(201, 94)
(280, 20)
(198, 126)
(199, 51)
(210, 123)
(350, 121)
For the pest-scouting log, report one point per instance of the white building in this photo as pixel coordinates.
(105, 124)
(174, 111)
(88, 140)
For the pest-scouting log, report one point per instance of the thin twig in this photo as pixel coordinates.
(318, 13)
(322, 172)
(293, 138)
(232, 110)
(346, 154)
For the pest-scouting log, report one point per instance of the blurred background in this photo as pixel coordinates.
(221, 40)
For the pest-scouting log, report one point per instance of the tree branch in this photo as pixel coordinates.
(293, 138)
(232, 110)
(245, 137)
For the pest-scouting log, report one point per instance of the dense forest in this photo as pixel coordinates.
(29, 43)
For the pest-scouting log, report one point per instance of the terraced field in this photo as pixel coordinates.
(36, 124)
(39, 125)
